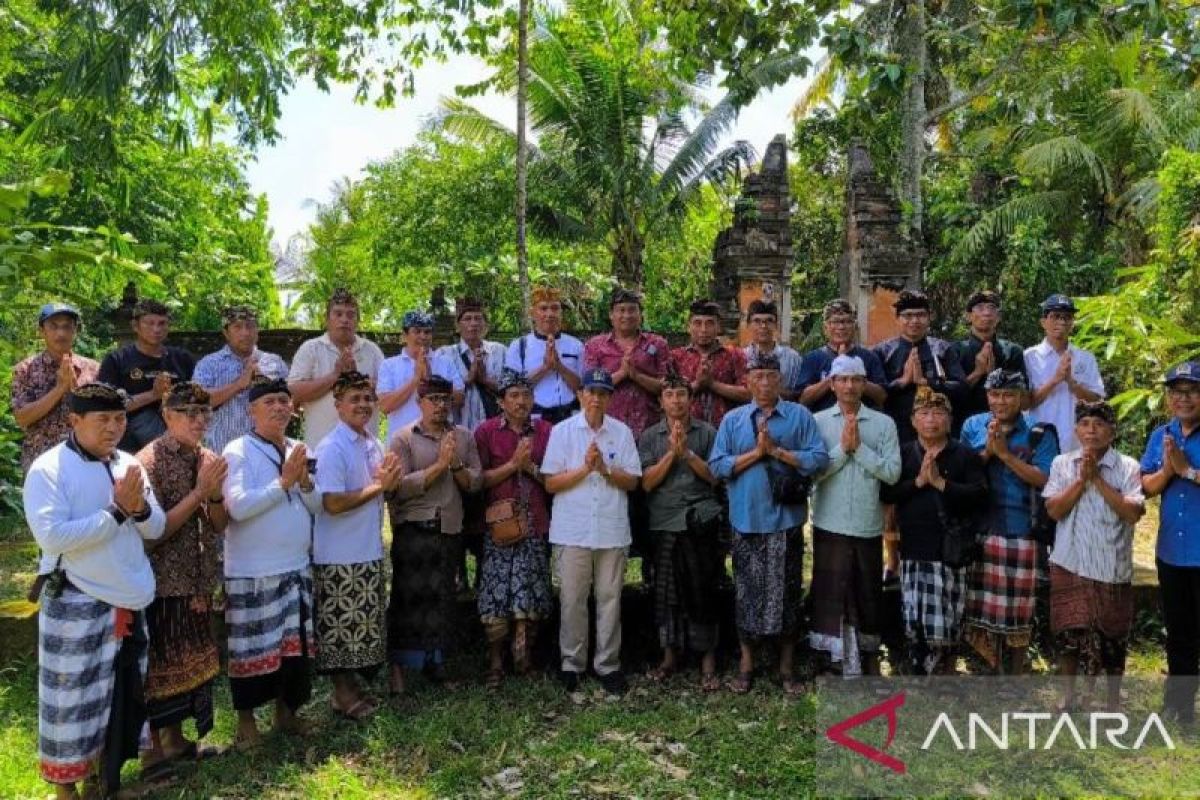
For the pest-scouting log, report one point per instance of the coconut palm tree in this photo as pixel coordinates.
(627, 144)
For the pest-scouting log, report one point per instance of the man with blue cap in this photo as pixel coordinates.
(400, 375)
(1170, 468)
(590, 466)
(1060, 374)
(42, 383)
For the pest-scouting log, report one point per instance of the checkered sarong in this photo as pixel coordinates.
(934, 596)
(1003, 582)
(77, 676)
(265, 617)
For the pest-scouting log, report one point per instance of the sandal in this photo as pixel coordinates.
(198, 752)
(741, 684)
(709, 682)
(660, 674)
(791, 686)
(362, 709)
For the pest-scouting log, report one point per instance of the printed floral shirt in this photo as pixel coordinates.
(728, 366)
(187, 562)
(32, 379)
(630, 403)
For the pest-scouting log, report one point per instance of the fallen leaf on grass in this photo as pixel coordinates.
(677, 748)
(456, 746)
(509, 779)
(673, 771)
(745, 726)
(615, 736)
(586, 763)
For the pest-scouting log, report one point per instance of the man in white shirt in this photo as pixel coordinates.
(348, 574)
(270, 497)
(550, 359)
(318, 363)
(400, 375)
(477, 362)
(1096, 496)
(591, 463)
(1060, 373)
(89, 509)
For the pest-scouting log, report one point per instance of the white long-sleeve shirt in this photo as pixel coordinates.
(67, 494)
(270, 530)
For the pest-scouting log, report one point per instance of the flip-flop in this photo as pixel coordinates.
(741, 684)
(710, 682)
(791, 686)
(198, 752)
(660, 674)
(362, 709)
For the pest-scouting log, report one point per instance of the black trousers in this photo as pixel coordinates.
(1179, 590)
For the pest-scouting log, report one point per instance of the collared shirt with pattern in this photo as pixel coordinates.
(1092, 541)
(1010, 499)
(630, 403)
(681, 490)
(1179, 517)
(315, 359)
(473, 412)
(789, 364)
(232, 418)
(846, 494)
(728, 366)
(418, 451)
(187, 562)
(496, 441)
(32, 379)
(1041, 362)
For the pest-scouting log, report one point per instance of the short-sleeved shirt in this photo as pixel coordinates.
(846, 493)
(473, 411)
(188, 561)
(630, 403)
(32, 379)
(232, 418)
(551, 391)
(316, 359)
(814, 368)
(1010, 499)
(728, 366)
(1006, 355)
(346, 462)
(682, 490)
(418, 450)
(397, 371)
(496, 441)
(789, 364)
(1179, 516)
(1092, 541)
(130, 369)
(1041, 362)
(593, 513)
(940, 367)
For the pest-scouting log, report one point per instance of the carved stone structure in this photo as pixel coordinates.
(879, 260)
(752, 258)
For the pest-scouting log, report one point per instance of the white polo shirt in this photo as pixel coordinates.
(398, 370)
(270, 530)
(315, 359)
(593, 513)
(551, 390)
(1058, 409)
(66, 496)
(346, 462)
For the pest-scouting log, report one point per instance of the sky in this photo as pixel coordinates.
(327, 136)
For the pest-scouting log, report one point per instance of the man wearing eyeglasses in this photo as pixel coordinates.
(815, 385)
(982, 352)
(763, 319)
(1061, 374)
(915, 359)
(1169, 468)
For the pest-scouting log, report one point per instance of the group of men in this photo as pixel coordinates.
(160, 489)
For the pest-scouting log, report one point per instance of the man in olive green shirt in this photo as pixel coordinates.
(847, 516)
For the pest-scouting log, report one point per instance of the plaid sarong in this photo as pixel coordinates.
(78, 651)
(1003, 583)
(933, 601)
(266, 618)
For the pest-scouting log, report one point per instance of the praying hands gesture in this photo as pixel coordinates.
(211, 476)
(447, 449)
(295, 470)
(1174, 460)
(162, 384)
(677, 441)
(389, 473)
(997, 440)
(345, 361)
(930, 475)
(129, 491)
(522, 457)
(1063, 372)
(985, 360)
(594, 459)
(704, 376)
(764, 445)
(249, 371)
(478, 371)
(66, 375)
(851, 438)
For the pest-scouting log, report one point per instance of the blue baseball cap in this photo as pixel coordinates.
(1187, 371)
(1058, 302)
(54, 309)
(598, 378)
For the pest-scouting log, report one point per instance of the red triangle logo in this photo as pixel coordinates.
(838, 733)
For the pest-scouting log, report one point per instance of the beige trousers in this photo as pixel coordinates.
(581, 571)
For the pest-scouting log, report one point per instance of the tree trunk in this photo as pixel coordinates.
(522, 91)
(915, 54)
(627, 258)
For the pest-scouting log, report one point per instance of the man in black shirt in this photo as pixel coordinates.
(815, 386)
(915, 359)
(981, 352)
(146, 369)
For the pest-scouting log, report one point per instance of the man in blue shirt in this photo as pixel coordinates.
(1169, 468)
(1002, 585)
(815, 384)
(762, 450)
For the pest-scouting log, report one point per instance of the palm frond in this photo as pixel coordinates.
(1050, 158)
(1131, 109)
(1140, 200)
(826, 76)
(1001, 221)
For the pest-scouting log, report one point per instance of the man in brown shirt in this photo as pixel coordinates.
(440, 462)
(186, 479)
(42, 382)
